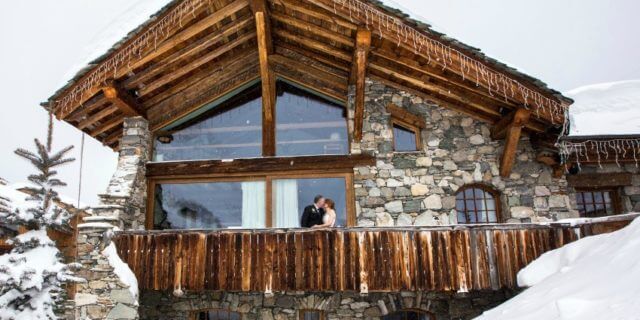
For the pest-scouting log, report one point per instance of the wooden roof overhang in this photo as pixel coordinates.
(195, 51)
(596, 150)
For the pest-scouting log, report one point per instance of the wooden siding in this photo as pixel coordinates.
(455, 258)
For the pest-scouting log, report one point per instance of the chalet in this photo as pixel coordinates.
(229, 116)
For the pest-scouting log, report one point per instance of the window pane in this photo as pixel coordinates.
(307, 124)
(597, 197)
(230, 130)
(588, 197)
(479, 206)
(407, 315)
(210, 205)
(405, 140)
(312, 315)
(291, 196)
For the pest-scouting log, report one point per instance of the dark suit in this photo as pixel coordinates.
(311, 216)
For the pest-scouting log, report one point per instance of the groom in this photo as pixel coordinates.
(312, 214)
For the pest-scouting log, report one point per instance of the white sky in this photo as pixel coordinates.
(565, 43)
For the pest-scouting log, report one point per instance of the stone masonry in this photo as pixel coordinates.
(345, 305)
(104, 295)
(418, 188)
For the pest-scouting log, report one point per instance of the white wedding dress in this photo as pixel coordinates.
(329, 218)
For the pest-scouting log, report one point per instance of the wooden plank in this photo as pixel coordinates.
(599, 180)
(358, 76)
(120, 98)
(265, 48)
(406, 116)
(254, 166)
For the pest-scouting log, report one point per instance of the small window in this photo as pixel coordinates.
(405, 137)
(408, 315)
(477, 204)
(218, 315)
(597, 202)
(311, 315)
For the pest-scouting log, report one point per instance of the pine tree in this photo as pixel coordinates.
(32, 274)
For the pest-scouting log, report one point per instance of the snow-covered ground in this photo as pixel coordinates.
(606, 109)
(594, 278)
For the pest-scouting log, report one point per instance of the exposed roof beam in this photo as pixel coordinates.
(313, 29)
(187, 52)
(108, 125)
(122, 99)
(97, 116)
(195, 64)
(510, 129)
(314, 45)
(358, 76)
(340, 83)
(265, 49)
(162, 48)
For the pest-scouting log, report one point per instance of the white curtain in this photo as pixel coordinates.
(286, 203)
(253, 204)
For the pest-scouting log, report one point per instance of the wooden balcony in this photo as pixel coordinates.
(455, 258)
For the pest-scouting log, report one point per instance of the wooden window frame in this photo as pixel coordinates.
(267, 123)
(194, 314)
(268, 179)
(496, 198)
(408, 121)
(614, 194)
(405, 125)
(301, 313)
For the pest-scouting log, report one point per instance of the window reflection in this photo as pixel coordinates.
(291, 196)
(210, 205)
(307, 124)
(476, 205)
(404, 139)
(596, 203)
(407, 315)
(230, 130)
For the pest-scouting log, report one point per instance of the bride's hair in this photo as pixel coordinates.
(330, 203)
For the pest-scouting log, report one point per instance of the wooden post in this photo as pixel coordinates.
(265, 48)
(510, 128)
(358, 76)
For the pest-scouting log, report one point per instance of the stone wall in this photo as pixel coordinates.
(126, 194)
(104, 295)
(418, 188)
(159, 305)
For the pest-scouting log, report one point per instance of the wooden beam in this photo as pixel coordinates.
(344, 163)
(314, 45)
(92, 119)
(518, 117)
(156, 51)
(599, 180)
(114, 122)
(406, 116)
(265, 48)
(120, 98)
(311, 71)
(512, 133)
(308, 27)
(187, 52)
(358, 76)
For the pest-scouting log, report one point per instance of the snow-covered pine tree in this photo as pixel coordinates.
(32, 274)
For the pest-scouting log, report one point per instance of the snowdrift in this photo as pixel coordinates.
(597, 277)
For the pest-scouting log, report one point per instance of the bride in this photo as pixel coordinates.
(329, 218)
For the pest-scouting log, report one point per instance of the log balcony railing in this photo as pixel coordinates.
(453, 258)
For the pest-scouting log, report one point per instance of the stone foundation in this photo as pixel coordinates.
(418, 188)
(160, 305)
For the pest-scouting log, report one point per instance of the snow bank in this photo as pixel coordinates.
(596, 277)
(606, 109)
(121, 269)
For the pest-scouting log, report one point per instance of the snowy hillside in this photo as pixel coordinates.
(606, 109)
(593, 278)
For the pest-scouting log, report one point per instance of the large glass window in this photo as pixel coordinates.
(307, 124)
(291, 196)
(210, 205)
(229, 130)
(596, 202)
(242, 204)
(476, 204)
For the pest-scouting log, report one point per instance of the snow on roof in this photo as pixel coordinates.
(593, 278)
(606, 109)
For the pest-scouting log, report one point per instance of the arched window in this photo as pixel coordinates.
(409, 315)
(477, 204)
